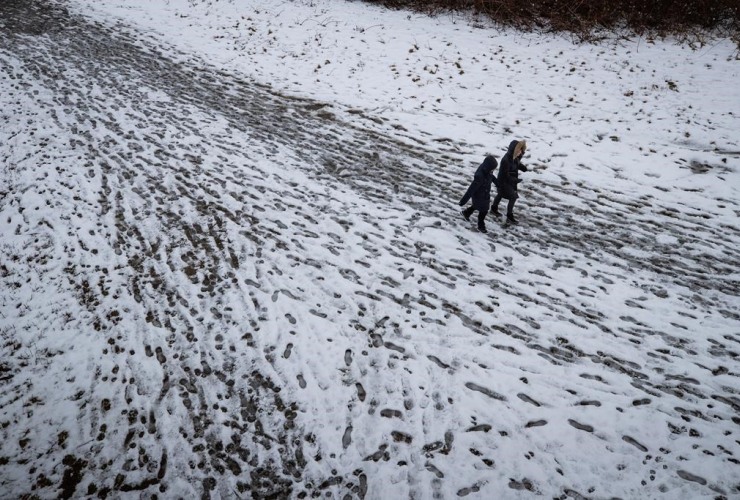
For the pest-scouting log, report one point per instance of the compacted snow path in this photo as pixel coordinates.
(211, 290)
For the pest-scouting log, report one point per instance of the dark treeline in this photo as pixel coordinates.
(583, 17)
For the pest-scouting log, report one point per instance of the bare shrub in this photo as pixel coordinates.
(688, 18)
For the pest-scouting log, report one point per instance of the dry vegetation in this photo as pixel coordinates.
(585, 18)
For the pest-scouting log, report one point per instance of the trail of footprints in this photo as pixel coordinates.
(191, 231)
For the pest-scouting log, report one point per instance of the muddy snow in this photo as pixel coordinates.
(227, 273)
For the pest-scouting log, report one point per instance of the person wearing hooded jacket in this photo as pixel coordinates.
(508, 178)
(480, 192)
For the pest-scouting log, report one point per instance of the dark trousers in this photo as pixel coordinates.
(481, 215)
(509, 208)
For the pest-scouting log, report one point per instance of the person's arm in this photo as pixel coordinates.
(491, 164)
(521, 168)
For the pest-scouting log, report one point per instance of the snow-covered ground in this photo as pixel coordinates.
(232, 266)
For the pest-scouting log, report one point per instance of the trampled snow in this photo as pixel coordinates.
(233, 264)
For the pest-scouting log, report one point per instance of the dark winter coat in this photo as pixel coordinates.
(508, 174)
(480, 188)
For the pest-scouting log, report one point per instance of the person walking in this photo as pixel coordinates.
(480, 192)
(508, 178)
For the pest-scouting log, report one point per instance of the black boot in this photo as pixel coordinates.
(495, 212)
(511, 220)
(482, 221)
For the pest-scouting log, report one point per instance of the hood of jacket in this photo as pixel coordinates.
(489, 164)
(512, 147)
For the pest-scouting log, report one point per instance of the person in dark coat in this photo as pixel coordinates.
(508, 178)
(480, 192)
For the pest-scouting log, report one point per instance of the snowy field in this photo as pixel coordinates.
(232, 263)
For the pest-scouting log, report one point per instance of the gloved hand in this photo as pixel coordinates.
(523, 168)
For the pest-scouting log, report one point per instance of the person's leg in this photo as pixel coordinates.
(482, 220)
(496, 201)
(468, 211)
(510, 211)
(510, 207)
